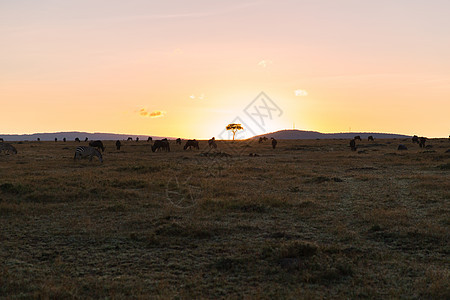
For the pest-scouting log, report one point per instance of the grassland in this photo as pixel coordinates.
(310, 219)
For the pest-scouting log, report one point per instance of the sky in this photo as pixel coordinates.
(188, 68)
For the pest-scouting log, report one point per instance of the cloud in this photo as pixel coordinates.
(264, 63)
(201, 97)
(154, 114)
(300, 93)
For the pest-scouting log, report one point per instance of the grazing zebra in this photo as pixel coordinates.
(178, 141)
(191, 143)
(212, 143)
(370, 138)
(274, 143)
(7, 148)
(162, 145)
(84, 151)
(118, 144)
(357, 138)
(97, 144)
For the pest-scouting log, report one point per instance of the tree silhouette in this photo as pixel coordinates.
(234, 128)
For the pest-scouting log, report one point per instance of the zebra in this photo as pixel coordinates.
(84, 151)
(7, 148)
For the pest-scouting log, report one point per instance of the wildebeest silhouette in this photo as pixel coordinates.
(357, 137)
(191, 143)
(274, 143)
(415, 139)
(129, 139)
(64, 140)
(86, 139)
(353, 145)
(1, 140)
(38, 139)
(56, 139)
(422, 141)
(212, 143)
(118, 145)
(149, 139)
(262, 139)
(370, 138)
(97, 144)
(178, 141)
(402, 147)
(162, 145)
(137, 139)
(77, 140)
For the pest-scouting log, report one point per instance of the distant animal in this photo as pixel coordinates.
(149, 139)
(1, 139)
(178, 141)
(353, 145)
(86, 139)
(97, 144)
(262, 139)
(7, 148)
(402, 147)
(64, 140)
(38, 139)
(161, 145)
(77, 140)
(370, 138)
(415, 139)
(422, 141)
(56, 139)
(191, 143)
(137, 139)
(118, 144)
(212, 143)
(85, 151)
(274, 143)
(129, 139)
(357, 137)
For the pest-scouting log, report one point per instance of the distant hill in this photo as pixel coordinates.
(70, 136)
(301, 134)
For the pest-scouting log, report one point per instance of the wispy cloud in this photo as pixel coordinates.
(265, 63)
(154, 114)
(201, 97)
(300, 93)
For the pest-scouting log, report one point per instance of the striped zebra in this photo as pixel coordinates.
(7, 148)
(84, 151)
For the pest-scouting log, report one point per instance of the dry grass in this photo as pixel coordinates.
(310, 219)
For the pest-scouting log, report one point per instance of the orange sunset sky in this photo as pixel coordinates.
(188, 68)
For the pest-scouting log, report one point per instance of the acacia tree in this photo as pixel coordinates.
(234, 128)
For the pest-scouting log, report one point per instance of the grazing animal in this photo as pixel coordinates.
(129, 139)
(191, 143)
(274, 143)
(422, 141)
(162, 145)
(86, 139)
(85, 151)
(353, 145)
(64, 140)
(178, 141)
(77, 140)
(1, 139)
(402, 147)
(370, 138)
(38, 139)
(212, 143)
(56, 139)
(262, 139)
(137, 139)
(97, 144)
(7, 148)
(357, 137)
(415, 139)
(149, 139)
(118, 144)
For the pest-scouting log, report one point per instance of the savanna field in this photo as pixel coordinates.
(310, 219)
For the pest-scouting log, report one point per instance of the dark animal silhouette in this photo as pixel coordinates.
(191, 143)
(64, 140)
(353, 145)
(422, 141)
(129, 139)
(178, 141)
(149, 139)
(77, 140)
(97, 144)
(162, 145)
(415, 139)
(212, 143)
(370, 138)
(357, 137)
(118, 145)
(137, 139)
(38, 139)
(274, 143)
(1, 140)
(56, 139)
(262, 139)
(402, 147)
(86, 139)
